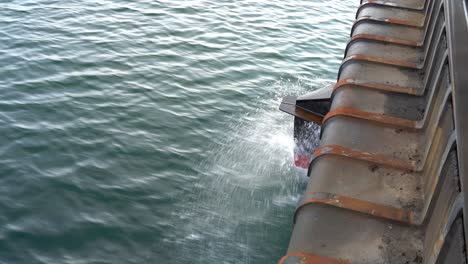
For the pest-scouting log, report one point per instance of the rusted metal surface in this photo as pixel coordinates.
(374, 72)
(384, 183)
(412, 56)
(308, 116)
(369, 105)
(383, 119)
(403, 56)
(385, 35)
(380, 118)
(455, 240)
(395, 12)
(307, 258)
(458, 32)
(366, 156)
(365, 4)
(453, 214)
(380, 28)
(364, 238)
(377, 86)
(311, 107)
(393, 103)
(380, 60)
(367, 181)
(385, 20)
(375, 142)
(302, 113)
(385, 39)
(374, 59)
(414, 5)
(358, 205)
(395, 55)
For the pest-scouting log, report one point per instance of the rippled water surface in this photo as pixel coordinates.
(148, 131)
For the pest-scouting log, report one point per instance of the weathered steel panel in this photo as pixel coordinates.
(458, 40)
(384, 182)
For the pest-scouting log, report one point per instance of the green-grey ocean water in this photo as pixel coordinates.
(148, 131)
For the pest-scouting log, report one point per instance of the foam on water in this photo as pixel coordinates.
(249, 179)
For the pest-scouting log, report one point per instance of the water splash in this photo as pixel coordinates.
(249, 181)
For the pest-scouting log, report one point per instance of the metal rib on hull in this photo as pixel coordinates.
(386, 184)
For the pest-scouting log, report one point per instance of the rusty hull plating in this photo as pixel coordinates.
(387, 181)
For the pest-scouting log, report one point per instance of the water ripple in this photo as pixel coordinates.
(148, 131)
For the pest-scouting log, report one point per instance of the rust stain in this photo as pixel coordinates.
(308, 116)
(375, 209)
(366, 156)
(386, 3)
(439, 243)
(384, 39)
(375, 2)
(381, 60)
(437, 247)
(378, 2)
(395, 21)
(379, 118)
(377, 86)
(307, 258)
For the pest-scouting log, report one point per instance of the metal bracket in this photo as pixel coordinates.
(311, 107)
(357, 205)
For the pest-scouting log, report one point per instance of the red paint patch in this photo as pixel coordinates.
(302, 161)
